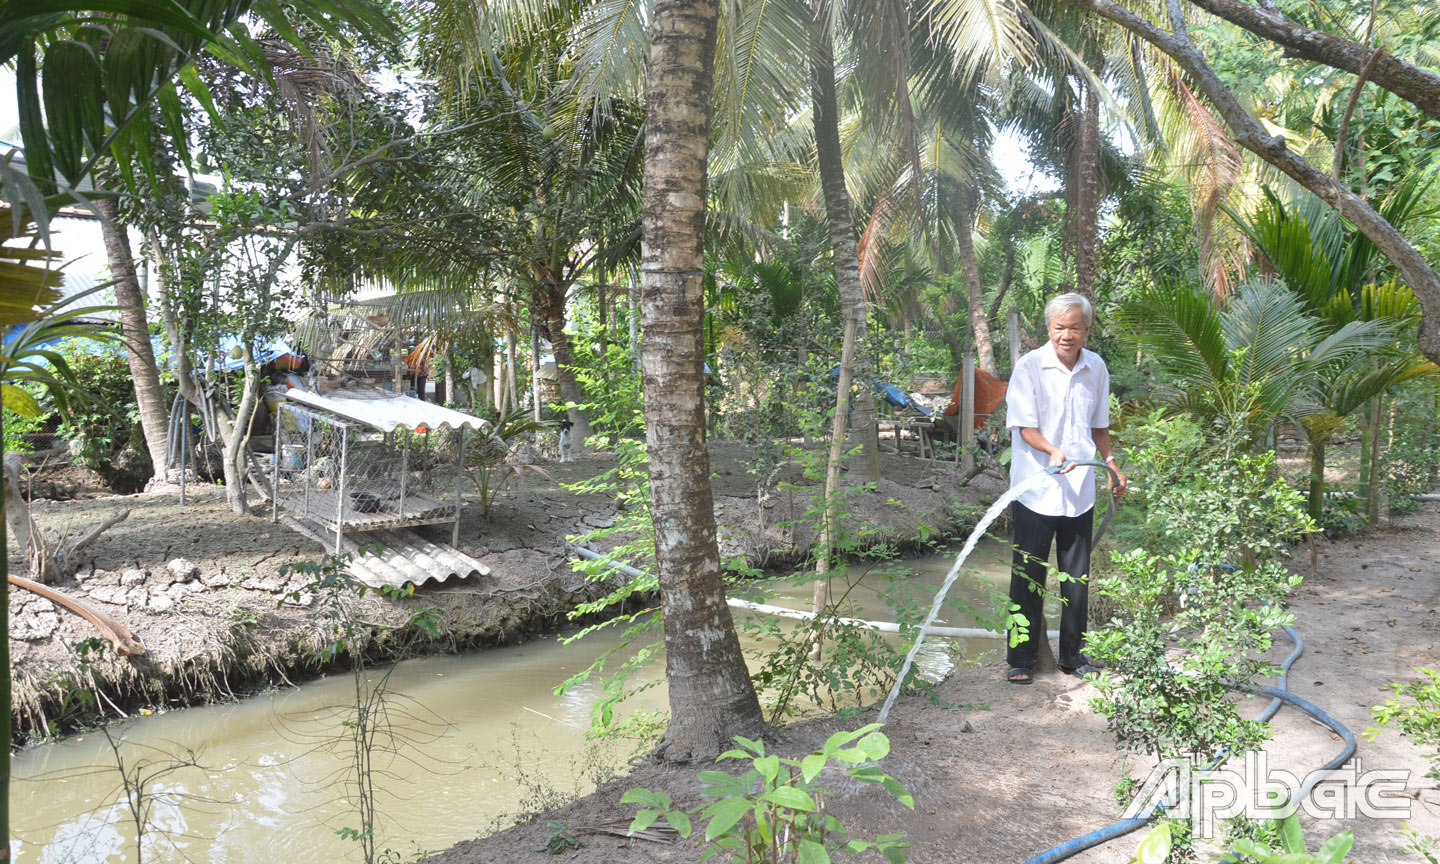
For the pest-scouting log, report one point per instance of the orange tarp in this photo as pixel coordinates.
(989, 393)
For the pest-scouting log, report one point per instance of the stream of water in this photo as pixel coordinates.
(268, 782)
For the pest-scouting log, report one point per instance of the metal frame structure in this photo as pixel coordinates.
(347, 475)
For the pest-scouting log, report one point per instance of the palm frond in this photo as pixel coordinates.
(981, 35)
(1181, 329)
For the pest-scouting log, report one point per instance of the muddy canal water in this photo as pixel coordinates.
(269, 775)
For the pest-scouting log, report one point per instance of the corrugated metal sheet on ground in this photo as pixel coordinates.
(405, 557)
(386, 411)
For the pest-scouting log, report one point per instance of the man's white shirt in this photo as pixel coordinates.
(1065, 405)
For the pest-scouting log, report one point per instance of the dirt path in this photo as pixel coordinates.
(1026, 768)
(200, 586)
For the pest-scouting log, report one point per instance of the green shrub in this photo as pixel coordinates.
(1197, 602)
(1415, 708)
(775, 812)
(104, 417)
(1414, 446)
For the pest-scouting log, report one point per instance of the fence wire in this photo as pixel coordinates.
(347, 476)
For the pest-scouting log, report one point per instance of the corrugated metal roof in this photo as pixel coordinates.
(386, 411)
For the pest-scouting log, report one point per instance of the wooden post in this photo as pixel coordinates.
(1012, 332)
(404, 463)
(396, 364)
(535, 369)
(967, 414)
(277, 451)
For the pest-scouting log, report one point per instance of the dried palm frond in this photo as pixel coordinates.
(1214, 168)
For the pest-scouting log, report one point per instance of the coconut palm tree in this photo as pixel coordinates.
(568, 173)
(1338, 276)
(711, 695)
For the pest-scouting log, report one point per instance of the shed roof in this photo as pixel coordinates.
(386, 411)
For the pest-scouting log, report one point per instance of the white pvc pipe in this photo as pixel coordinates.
(780, 611)
(882, 626)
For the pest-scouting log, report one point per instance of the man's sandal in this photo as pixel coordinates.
(1081, 671)
(1018, 675)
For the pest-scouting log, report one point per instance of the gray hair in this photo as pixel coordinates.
(1065, 302)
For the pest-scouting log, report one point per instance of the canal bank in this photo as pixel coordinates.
(202, 588)
(473, 743)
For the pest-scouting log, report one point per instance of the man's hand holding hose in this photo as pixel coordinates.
(1118, 482)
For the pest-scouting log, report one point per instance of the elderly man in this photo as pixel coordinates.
(1058, 410)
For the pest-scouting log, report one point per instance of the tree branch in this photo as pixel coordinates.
(1418, 86)
(1248, 132)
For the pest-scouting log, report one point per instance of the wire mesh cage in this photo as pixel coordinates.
(348, 476)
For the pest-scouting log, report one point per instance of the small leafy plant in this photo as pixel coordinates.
(485, 457)
(561, 838)
(774, 813)
(1415, 709)
(1292, 847)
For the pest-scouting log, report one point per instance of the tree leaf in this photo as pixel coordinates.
(900, 792)
(1292, 836)
(166, 12)
(812, 765)
(679, 821)
(812, 852)
(840, 739)
(644, 819)
(1336, 848)
(1155, 848)
(789, 796)
(875, 746)
(20, 401)
(724, 815)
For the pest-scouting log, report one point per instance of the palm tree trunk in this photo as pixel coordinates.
(711, 696)
(1317, 478)
(1085, 171)
(512, 392)
(135, 331)
(552, 302)
(535, 367)
(979, 321)
(826, 117)
(449, 374)
(824, 560)
(1376, 486)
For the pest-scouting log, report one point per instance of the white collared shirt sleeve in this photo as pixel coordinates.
(1100, 418)
(1022, 403)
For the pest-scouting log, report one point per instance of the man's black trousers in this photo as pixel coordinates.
(1033, 535)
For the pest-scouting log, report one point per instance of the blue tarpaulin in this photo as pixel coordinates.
(887, 391)
(264, 352)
